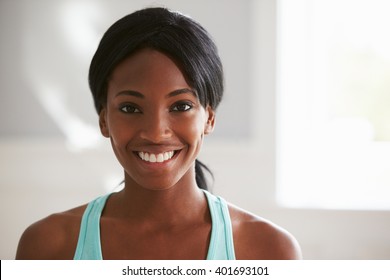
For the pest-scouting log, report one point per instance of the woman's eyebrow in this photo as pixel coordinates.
(171, 94)
(130, 93)
(181, 91)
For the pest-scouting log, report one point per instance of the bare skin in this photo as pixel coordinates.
(161, 213)
(55, 237)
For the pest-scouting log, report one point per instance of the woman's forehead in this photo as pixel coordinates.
(145, 70)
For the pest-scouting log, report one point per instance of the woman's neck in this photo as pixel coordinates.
(177, 204)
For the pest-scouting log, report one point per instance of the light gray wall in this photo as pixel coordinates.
(42, 171)
(36, 51)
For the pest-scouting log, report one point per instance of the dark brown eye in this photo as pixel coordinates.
(129, 109)
(182, 107)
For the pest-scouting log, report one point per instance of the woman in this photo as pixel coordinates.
(157, 79)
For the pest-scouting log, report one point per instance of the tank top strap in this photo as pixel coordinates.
(88, 245)
(221, 245)
(221, 241)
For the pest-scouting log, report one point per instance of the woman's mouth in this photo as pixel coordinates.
(159, 158)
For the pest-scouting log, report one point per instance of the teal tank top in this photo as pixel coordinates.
(221, 245)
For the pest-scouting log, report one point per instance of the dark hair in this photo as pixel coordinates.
(181, 38)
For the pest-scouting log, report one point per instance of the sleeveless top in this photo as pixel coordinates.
(221, 245)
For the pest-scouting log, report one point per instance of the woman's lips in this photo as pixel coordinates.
(156, 158)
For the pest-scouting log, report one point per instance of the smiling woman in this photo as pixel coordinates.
(157, 80)
(152, 111)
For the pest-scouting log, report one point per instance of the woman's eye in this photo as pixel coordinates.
(129, 109)
(182, 107)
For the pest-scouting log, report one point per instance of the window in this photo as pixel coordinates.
(334, 104)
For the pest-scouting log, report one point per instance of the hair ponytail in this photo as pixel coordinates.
(200, 176)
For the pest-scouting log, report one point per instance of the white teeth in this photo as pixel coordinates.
(160, 158)
(152, 158)
(156, 157)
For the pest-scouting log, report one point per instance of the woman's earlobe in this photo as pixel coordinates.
(103, 123)
(209, 126)
(208, 129)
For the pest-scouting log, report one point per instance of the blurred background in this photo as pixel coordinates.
(302, 136)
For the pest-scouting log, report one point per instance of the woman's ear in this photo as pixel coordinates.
(103, 123)
(210, 122)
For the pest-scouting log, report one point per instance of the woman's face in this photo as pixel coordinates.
(154, 120)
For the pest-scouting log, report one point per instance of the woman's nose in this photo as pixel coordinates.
(156, 128)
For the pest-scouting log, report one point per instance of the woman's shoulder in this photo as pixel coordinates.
(258, 238)
(54, 237)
